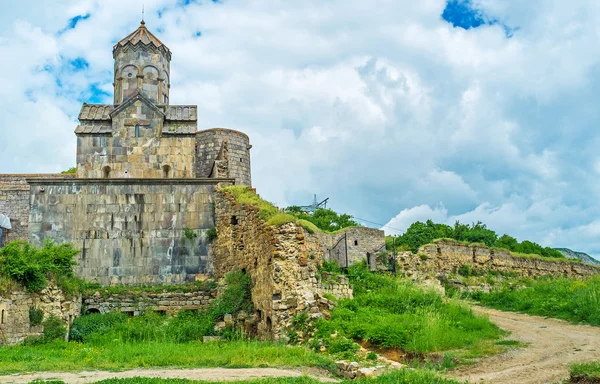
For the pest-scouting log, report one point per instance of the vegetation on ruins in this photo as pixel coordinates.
(419, 234)
(325, 219)
(32, 266)
(573, 300)
(390, 313)
(322, 220)
(186, 326)
(69, 171)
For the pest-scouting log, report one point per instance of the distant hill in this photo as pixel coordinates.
(570, 254)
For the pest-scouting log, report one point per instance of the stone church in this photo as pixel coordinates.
(141, 201)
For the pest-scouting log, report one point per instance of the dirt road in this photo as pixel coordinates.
(554, 345)
(209, 374)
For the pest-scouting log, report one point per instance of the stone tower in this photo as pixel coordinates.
(142, 136)
(142, 62)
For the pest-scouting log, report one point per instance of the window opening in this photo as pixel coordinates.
(355, 242)
(2, 319)
(106, 172)
(234, 220)
(137, 130)
(166, 171)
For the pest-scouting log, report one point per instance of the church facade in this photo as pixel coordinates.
(142, 200)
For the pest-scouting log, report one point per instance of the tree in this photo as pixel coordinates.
(507, 242)
(325, 219)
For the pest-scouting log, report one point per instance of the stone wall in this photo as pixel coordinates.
(281, 262)
(135, 231)
(208, 144)
(14, 312)
(360, 243)
(14, 202)
(136, 303)
(120, 154)
(448, 257)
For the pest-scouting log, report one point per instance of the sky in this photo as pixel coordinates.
(397, 110)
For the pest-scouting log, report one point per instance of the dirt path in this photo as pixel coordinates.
(208, 374)
(554, 345)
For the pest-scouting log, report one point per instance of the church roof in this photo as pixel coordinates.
(141, 35)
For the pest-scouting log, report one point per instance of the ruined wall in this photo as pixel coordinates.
(14, 203)
(359, 243)
(448, 257)
(208, 145)
(130, 231)
(138, 303)
(282, 263)
(14, 312)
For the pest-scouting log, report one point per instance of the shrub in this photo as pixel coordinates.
(36, 316)
(211, 234)
(84, 327)
(189, 233)
(54, 329)
(29, 265)
(235, 298)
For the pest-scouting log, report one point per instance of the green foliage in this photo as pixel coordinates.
(235, 298)
(404, 376)
(245, 195)
(577, 301)
(391, 313)
(211, 234)
(84, 327)
(36, 316)
(585, 372)
(371, 356)
(325, 219)
(189, 233)
(114, 354)
(280, 219)
(309, 226)
(69, 171)
(30, 266)
(54, 330)
(419, 234)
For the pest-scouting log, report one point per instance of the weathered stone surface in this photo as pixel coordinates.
(140, 302)
(448, 256)
(14, 312)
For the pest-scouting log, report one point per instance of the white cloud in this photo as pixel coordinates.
(382, 107)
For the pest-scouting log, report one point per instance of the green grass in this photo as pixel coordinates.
(580, 372)
(398, 377)
(244, 195)
(577, 301)
(519, 255)
(391, 313)
(62, 356)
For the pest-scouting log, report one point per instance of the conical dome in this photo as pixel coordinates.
(142, 36)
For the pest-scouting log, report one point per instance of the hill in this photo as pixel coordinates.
(570, 254)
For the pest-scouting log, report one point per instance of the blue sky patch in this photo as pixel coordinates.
(462, 13)
(79, 64)
(72, 23)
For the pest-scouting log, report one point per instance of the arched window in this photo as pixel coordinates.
(137, 130)
(166, 171)
(106, 172)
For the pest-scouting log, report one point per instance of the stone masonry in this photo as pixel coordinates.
(282, 263)
(449, 256)
(14, 312)
(137, 303)
(130, 232)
